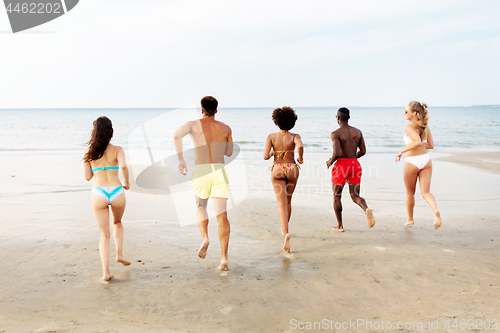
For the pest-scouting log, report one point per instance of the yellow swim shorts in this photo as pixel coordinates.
(210, 180)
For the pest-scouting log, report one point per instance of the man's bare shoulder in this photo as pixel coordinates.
(357, 130)
(223, 126)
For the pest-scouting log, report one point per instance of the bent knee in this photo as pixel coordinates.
(354, 197)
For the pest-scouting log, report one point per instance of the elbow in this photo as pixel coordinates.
(430, 146)
(88, 178)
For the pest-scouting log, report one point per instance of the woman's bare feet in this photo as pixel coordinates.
(339, 229)
(437, 219)
(409, 222)
(107, 276)
(122, 260)
(370, 217)
(202, 252)
(223, 265)
(286, 244)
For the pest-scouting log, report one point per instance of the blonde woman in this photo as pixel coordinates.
(102, 161)
(418, 163)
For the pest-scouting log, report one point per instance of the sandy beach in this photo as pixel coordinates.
(51, 279)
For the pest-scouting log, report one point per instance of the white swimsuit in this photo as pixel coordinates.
(419, 160)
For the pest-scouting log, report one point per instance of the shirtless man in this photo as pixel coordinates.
(212, 140)
(346, 141)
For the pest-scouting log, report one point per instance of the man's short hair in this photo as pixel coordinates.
(345, 113)
(209, 105)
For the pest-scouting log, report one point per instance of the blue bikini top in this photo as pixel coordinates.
(105, 168)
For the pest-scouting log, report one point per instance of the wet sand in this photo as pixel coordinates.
(50, 279)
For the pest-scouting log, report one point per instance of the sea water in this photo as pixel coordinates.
(41, 149)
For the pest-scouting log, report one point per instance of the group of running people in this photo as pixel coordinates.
(212, 140)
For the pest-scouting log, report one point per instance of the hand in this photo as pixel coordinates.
(127, 186)
(398, 156)
(183, 167)
(329, 163)
(300, 160)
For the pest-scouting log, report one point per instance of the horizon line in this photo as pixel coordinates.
(235, 107)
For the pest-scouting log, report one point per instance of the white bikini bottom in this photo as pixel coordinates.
(419, 161)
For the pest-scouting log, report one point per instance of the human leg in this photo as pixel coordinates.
(410, 174)
(202, 218)
(279, 182)
(101, 213)
(220, 205)
(354, 190)
(337, 206)
(118, 208)
(425, 186)
(291, 183)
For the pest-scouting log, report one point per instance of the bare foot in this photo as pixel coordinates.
(223, 265)
(409, 222)
(437, 220)
(339, 229)
(202, 252)
(286, 244)
(107, 276)
(123, 261)
(370, 217)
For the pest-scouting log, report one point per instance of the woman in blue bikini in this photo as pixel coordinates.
(284, 171)
(102, 161)
(418, 164)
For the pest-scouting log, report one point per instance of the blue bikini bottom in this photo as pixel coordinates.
(108, 193)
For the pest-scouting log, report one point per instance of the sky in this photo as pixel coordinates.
(162, 53)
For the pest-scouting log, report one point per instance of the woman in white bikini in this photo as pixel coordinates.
(102, 161)
(284, 171)
(418, 164)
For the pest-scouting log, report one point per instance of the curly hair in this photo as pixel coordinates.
(99, 139)
(422, 115)
(284, 118)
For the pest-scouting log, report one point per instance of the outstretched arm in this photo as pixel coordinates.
(120, 156)
(179, 134)
(300, 148)
(336, 150)
(229, 147)
(361, 147)
(267, 148)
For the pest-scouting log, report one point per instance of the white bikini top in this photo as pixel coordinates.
(407, 139)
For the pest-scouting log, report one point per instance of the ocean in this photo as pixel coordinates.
(41, 150)
(453, 128)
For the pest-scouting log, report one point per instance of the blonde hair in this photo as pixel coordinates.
(422, 115)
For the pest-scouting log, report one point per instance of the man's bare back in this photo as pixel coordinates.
(212, 140)
(347, 140)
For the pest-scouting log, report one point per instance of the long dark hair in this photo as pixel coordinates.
(99, 139)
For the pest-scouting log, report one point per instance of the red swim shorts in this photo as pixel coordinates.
(346, 169)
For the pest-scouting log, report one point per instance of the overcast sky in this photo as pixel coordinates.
(161, 53)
